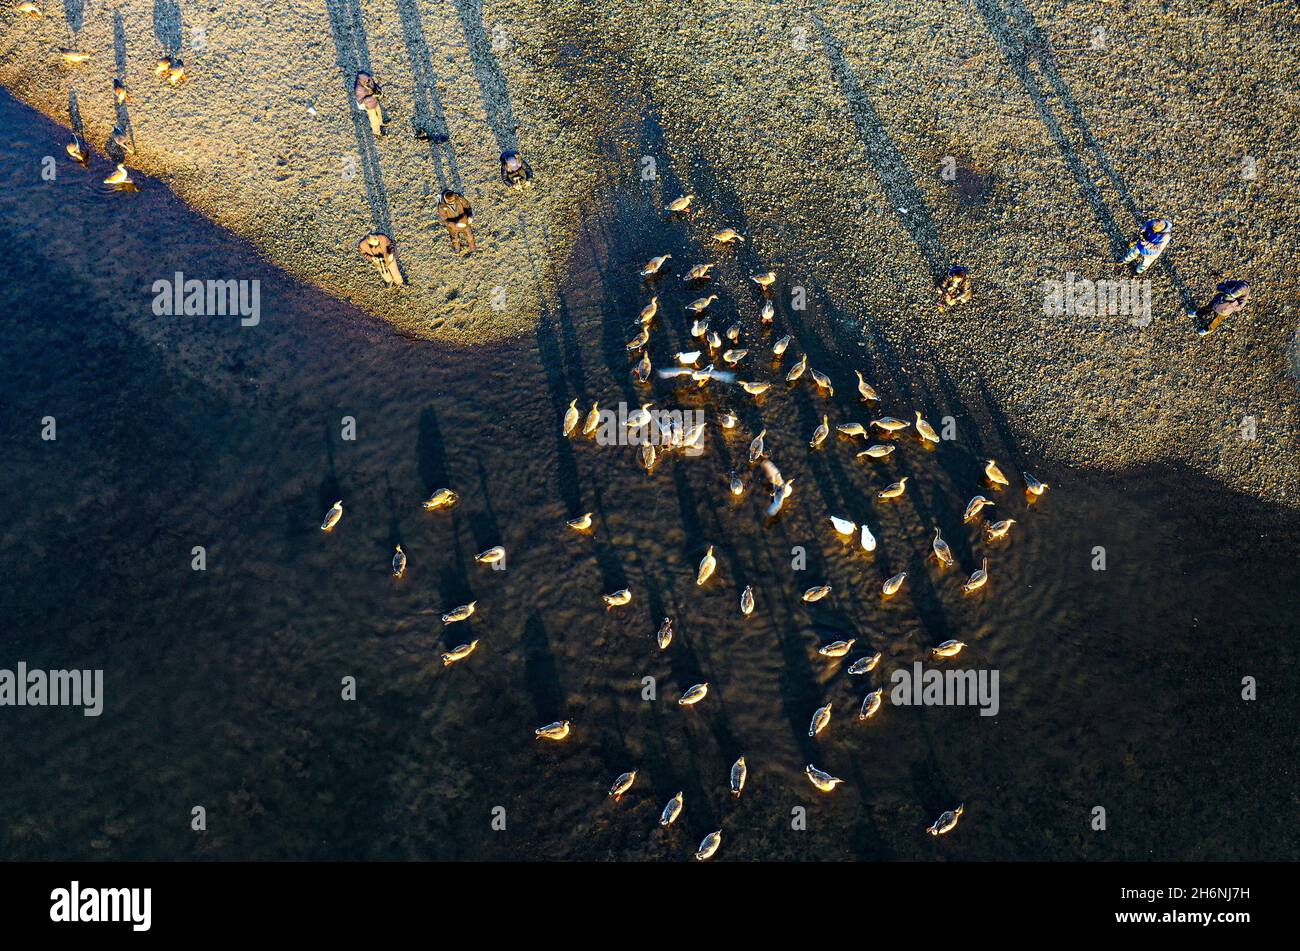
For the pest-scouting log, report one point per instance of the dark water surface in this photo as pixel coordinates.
(1118, 688)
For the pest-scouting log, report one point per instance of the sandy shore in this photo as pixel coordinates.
(860, 150)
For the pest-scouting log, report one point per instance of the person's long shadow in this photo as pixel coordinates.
(167, 25)
(491, 81)
(75, 13)
(353, 56)
(895, 175)
(1025, 46)
(119, 57)
(430, 116)
(74, 114)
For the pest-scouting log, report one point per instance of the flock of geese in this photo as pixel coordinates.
(656, 440)
(168, 68)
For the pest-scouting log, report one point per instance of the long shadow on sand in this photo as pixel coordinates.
(430, 116)
(491, 81)
(354, 55)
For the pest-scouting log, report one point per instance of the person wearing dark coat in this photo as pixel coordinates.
(458, 217)
(1229, 298)
(367, 93)
(516, 172)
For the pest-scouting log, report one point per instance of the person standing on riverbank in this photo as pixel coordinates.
(367, 93)
(1230, 297)
(458, 217)
(378, 250)
(1150, 244)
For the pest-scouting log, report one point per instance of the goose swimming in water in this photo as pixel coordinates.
(728, 419)
(994, 474)
(756, 450)
(851, 430)
(747, 601)
(693, 695)
(733, 332)
(699, 272)
(735, 484)
(837, 648)
(664, 636)
(864, 665)
(592, 421)
(764, 281)
(998, 529)
(767, 312)
(700, 328)
(459, 613)
(458, 653)
(820, 720)
(332, 516)
(946, 822)
(733, 357)
(728, 236)
(571, 416)
(399, 562)
(754, 389)
(821, 779)
(120, 176)
(641, 372)
(689, 358)
(890, 587)
(639, 341)
(941, 550)
(491, 556)
(654, 264)
(622, 784)
(779, 348)
(889, 424)
(950, 648)
(871, 703)
(581, 523)
(1033, 486)
(866, 390)
(553, 731)
(894, 490)
(926, 430)
(819, 434)
(739, 773)
(974, 507)
(671, 811)
(709, 846)
(639, 418)
(877, 451)
(707, 564)
(816, 593)
(76, 152)
(867, 540)
(617, 598)
(843, 526)
(977, 579)
(443, 498)
(679, 205)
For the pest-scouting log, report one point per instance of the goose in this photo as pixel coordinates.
(767, 313)
(890, 587)
(941, 550)
(974, 507)
(728, 236)
(765, 280)
(622, 784)
(871, 703)
(747, 601)
(946, 822)
(993, 473)
(796, 371)
(844, 526)
(671, 811)
(654, 265)
(755, 389)
(553, 731)
(693, 695)
(664, 637)
(820, 720)
(926, 430)
(707, 565)
(819, 434)
(73, 57)
(864, 665)
(837, 648)
(823, 381)
(399, 562)
(949, 648)
(442, 498)
(822, 780)
(866, 390)
(119, 176)
(617, 598)
(779, 494)
(979, 577)
(852, 430)
(592, 421)
(868, 541)
(709, 846)
(641, 372)
(889, 424)
(893, 490)
(998, 529)
(459, 613)
(1033, 486)
(699, 272)
(700, 304)
(756, 449)
(581, 523)
(739, 773)
(877, 451)
(491, 556)
(679, 205)
(816, 593)
(332, 517)
(649, 310)
(779, 348)
(571, 416)
(733, 357)
(458, 653)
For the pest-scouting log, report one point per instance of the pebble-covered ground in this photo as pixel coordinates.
(860, 148)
